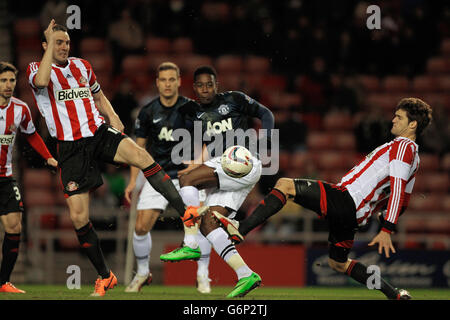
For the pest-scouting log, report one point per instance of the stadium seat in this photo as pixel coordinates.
(446, 203)
(438, 65)
(154, 60)
(39, 197)
(230, 81)
(424, 83)
(436, 183)
(24, 58)
(445, 162)
(317, 140)
(331, 160)
(345, 141)
(386, 101)
(273, 82)
(100, 62)
(93, 45)
(445, 47)
(369, 83)
(37, 179)
(257, 64)
(443, 83)
(48, 220)
(425, 202)
(158, 45)
(192, 62)
(285, 160)
(337, 121)
(134, 64)
(393, 84)
(27, 28)
(229, 64)
(182, 45)
(429, 162)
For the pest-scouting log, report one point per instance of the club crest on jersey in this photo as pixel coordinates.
(72, 186)
(82, 80)
(223, 109)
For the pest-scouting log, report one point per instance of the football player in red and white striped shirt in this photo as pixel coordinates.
(15, 117)
(383, 180)
(73, 105)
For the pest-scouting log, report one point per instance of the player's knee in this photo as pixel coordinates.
(340, 267)
(140, 229)
(286, 185)
(208, 224)
(142, 158)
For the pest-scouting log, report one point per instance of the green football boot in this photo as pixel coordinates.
(180, 254)
(245, 285)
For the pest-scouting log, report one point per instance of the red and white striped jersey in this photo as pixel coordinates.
(385, 176)
(16, 115)
(67, 103)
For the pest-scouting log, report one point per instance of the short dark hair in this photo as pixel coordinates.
(205, 70)
(416, 110)
(56, 27)
(168, 66)
(6, 66)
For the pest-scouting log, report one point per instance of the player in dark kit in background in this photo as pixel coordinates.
(15, 117)
(220, 113)
(154, 127)
(384, 181)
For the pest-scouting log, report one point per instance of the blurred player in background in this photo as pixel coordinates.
(15, 116)
(154, 126)
(384, 179)
(71, 101)
(224, 193)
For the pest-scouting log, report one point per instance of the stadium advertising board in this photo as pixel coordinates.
(406, 268)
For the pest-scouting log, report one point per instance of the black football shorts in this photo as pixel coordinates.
(10, 198)
(80, 160)
(335, 205)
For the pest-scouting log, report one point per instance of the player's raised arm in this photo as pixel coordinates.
(43, 74)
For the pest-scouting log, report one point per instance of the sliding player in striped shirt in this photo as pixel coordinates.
(72, 103)
(383, 180)
(15, 117)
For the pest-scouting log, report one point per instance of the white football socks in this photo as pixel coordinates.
(205, 249)
(190, 196)
(142, 246)
(226, 250)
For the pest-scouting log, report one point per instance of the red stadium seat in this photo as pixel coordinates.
(436, 183)
(425, 202)
(443, 83)
(27, 28)
(438, 65)
(230, 81)
(345, 141)
(338, 121)
(445, 47)
(424, 83)
(229, 63)
(273, 82)
(182, 45)
(331, 160)
(134, 64)
(317, 140)
(256, 64)
(39, 197)
(445, 162)
(393, 84)
(386, 102)
(429, 162)
(369, 83)
(99, 62)
(93, 45)
(192, 62)
(156, 45)
(37, 179)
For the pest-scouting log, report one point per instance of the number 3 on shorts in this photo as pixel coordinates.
(16, 190)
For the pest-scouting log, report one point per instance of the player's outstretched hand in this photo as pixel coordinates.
(49, 31)
(52, 162)
(383, 239)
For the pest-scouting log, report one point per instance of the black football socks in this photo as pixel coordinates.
(162, 183)
(10, 251)
(270, 205)
(90, 245)
(359, 272)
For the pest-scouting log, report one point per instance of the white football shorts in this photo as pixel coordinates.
(149, 198)
(232, 191)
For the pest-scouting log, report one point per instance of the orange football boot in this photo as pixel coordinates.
(101, 285)
(9, 288)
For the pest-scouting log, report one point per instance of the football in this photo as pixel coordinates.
(237, 161)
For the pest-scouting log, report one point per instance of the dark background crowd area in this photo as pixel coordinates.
(332, 83)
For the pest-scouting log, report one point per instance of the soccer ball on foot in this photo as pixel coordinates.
(237, 161)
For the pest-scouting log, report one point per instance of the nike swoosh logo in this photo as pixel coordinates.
(157, 120)
(309, 183)
(200, 115)
(107, 287)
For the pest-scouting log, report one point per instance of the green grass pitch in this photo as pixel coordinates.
(158, 292)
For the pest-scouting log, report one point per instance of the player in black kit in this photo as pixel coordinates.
(221, 113)
(154, 127)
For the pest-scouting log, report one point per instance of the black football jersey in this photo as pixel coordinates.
(229, 110)
(156, 123)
